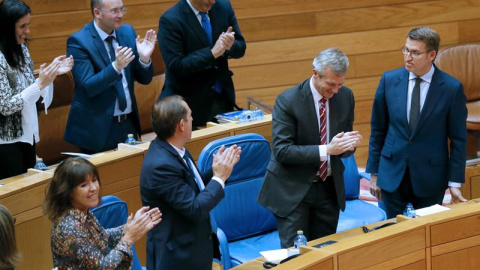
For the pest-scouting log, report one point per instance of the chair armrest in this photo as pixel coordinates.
(258, 104)
(224, 250)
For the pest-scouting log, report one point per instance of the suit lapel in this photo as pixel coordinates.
(99, 44)
(310, 112)
(193, 22)
(401, 94)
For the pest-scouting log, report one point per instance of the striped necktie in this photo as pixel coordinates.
(323, 170)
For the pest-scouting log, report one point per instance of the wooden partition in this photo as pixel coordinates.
(447, 240)
(119, 172)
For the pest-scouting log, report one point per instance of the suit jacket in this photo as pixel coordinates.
(295, 139)
(183, 240)
(425, 151)
(191, 69)
(93, 104)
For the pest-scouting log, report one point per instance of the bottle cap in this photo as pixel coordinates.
(39, 159)
(129, 135)
(299, 232)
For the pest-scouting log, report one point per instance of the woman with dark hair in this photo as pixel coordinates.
(78, 241)
(9, 255)
(19, 90)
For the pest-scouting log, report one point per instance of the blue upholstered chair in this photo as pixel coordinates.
(357, 212)
(244, 228)
(112, 213)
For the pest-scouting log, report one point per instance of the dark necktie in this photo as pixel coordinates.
(323, 170)
(122, 100)
(207, 27)
(415, 104)
(192, 171)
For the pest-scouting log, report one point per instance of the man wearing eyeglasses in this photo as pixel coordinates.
(109, 58)
(418, 130)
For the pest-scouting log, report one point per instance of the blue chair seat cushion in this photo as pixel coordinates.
(245, 250)
(358, 213)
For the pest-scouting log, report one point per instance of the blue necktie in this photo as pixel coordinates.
(207, 27)
(187, 160)
(122, 100)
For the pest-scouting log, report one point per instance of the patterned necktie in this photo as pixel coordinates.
(207, 27)
(322, 172)
(122, 100)
(415, 104)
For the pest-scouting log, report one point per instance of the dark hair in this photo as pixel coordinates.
(427, 35)
(9, 255)
(11, 11)
(95, 4)
(72, 172)
(166, 114)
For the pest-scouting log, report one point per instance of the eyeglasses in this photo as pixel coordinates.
(414, 54)
(116, 11)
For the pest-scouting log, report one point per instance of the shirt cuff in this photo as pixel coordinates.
(115, 68)
(145, 66)
(31, 94)
(323, 152)
(219, 180)
(454, 184)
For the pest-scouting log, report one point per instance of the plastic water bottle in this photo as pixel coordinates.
(300, 240)
(409, 211)
(250, 115)
(40, 165)
(131, 140)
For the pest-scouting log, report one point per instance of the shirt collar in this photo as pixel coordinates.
(181, 152)
(427, 77)
(196, 11)
(103, 35)
(80, 215)
(316, 95)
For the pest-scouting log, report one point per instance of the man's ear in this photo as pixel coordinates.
(181, 125)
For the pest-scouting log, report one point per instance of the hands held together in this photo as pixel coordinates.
(224, 43)
(224, 161)
(60, 65)
(343, 141)
(138, 225)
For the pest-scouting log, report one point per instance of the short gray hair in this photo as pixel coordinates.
(331, 58)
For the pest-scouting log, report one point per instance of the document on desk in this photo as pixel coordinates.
(431, 210)
(276, 255)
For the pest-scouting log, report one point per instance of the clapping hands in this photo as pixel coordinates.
(224, 42)
(60, 65)
(146, 46)
(139, 224)
(343, 141)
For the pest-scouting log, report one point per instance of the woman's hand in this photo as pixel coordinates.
(66, 64)
(47, 74)
(143, 221)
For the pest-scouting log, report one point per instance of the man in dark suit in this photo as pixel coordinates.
(197, 62)
(312, 128)
(109, 57)
(171, 181)
(417, 110)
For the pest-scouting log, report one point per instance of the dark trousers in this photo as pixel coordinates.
(117, 134)
(16, 158)
(395, 202)
(317, 214)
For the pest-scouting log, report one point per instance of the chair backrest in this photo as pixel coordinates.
(463, 63)
(238, 214)
(351, 178)
(111, 213)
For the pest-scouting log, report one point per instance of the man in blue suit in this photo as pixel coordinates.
(418, 130)
(109, 57)
(171, 181)
(197, 62)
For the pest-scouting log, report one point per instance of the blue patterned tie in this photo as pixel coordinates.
(207, 27)
(122, 100)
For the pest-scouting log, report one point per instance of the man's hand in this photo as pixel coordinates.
(123, 57)
(374, 189)
(343, 142)
(224, 42)
(145, 48)
(456, 195)
(225, 160)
